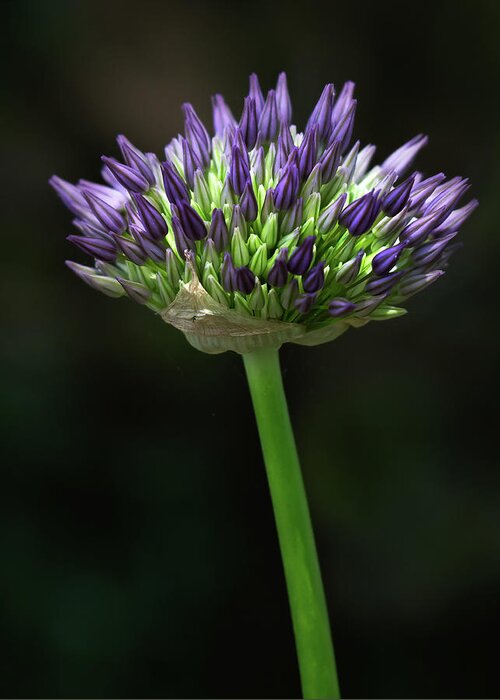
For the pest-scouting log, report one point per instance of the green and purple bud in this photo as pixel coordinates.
(266, 223)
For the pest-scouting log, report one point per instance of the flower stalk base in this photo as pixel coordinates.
(300, 560)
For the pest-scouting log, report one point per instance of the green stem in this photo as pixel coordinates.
(300, 560)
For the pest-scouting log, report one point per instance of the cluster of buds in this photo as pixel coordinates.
(263, 234)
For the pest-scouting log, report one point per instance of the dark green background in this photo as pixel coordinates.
(137, 546)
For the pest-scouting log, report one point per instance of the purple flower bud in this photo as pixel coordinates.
(381, 285)
(245, 280)
(107, 285)
(445, 186)
(268, 205)
(115, 198)
(360, 216)
(90, 229)
(175, 187)
(248, 203)
(227, 195)
(386, 259)
(350, 270)
(153, 249)
(365, 307)
(228, 273)
(222, 115)
(278, 274)
(286, 138)
(315, 278)
(130, 178)
(238, 221)
(174, 149)
(239, 141)
(182, 242)
(106, 214)
(293, 217)
(287, 189)
(416, 283)
(308, 152)
(330, 161)
(396, 200)
(191, 163)
(456, 218)
(197, 143)
(239, 172)
(421, 190)
(313, 183)
(218, 232)
(256, 94)
(363, 161)
(283, 101)
(132, 214)
(329, 216)
(268, 121)
(132, 250)
(304, 302)
(442, 261)
(248, 123)
(446, 201)
(196, 126)
(70, 195)
(342, 132)
(417, 231)
(111, 180)
(302, 257)
(443, 190)
(99, 248)
(343, 102)
(136, 291)
(152, 220)
(135, 158)
(192, 223)
(322, 113)
(258, 166)
(429, 252)
(340, 307)
(402, 158)
(282, 154)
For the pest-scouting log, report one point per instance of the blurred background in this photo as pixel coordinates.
(137, 545)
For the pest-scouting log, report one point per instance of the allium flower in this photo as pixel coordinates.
(261, 233)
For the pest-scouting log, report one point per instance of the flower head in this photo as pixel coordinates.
(261, 234)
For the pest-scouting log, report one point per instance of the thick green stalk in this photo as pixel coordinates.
(300, 560)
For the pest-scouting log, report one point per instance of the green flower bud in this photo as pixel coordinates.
(253, 243)
(258, 298)
(214, 288)
(269, 232)
(239, 249)
(241, 305)
(290, 240)
(209, 254)
(308, 228)
(208, 271)
(202, 194)
(214, 186)
(385, 313)
(165, 290)
(274, 308)
(259, 260)
(312, 207)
